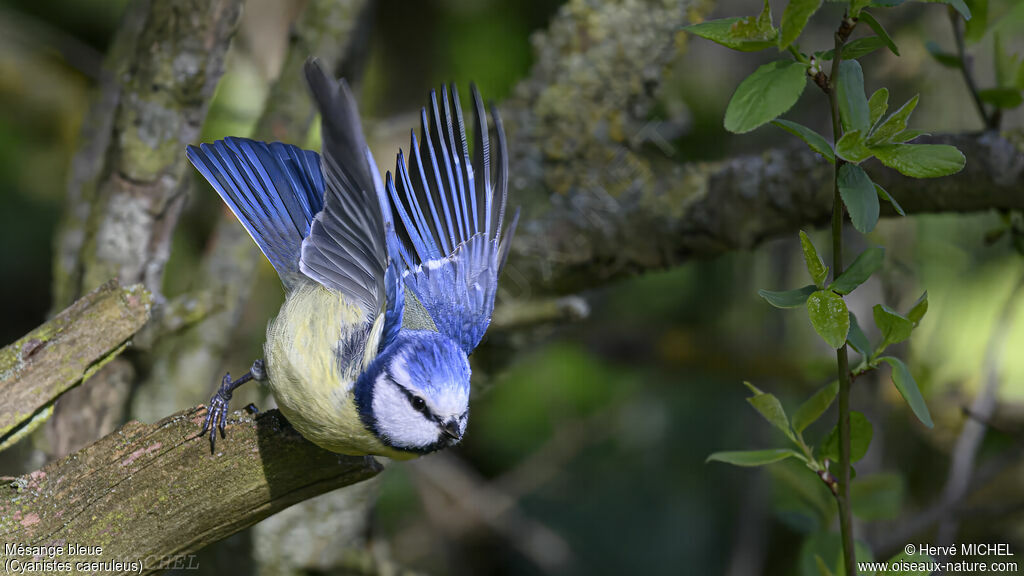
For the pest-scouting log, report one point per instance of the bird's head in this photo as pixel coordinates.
(415, 396)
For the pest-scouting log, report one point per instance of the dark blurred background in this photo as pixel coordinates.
(594, 433)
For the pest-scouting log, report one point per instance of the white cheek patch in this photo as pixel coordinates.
(451, 402)
(398, 420)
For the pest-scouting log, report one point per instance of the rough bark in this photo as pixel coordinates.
(127, 184)
(149, 493)
(636, 213)
(604, 195)
(63, 353)
(165, 74)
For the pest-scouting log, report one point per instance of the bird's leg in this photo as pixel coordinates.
(217, 412)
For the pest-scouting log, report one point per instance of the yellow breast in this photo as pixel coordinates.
(311, 387)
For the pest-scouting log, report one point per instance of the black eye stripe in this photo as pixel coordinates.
(417, 403)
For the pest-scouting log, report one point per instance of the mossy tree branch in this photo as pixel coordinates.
(634, 212)
(165, 65)
(147, 492)
(62, 353)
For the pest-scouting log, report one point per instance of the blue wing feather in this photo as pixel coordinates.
(452, 259)
(422, 191)
(327, 219)
(270, 188)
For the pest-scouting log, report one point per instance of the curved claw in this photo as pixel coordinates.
(217, 416)
(217, 412)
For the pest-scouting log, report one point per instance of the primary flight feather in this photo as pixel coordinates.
(390, 284)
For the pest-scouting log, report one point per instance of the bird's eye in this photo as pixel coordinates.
(418, 403)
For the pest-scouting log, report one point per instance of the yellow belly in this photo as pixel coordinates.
(311, 389)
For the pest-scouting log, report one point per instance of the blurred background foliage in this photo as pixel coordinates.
(597, 430)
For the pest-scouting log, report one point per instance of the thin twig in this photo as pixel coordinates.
(842, 360)
(991, 122)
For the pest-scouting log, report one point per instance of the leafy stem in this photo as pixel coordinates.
(842, 359)
(860, 130)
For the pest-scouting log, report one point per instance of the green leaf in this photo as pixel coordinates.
(726, 32)
(941, 56)
(856, 48)
(815, 267)
(883, 195)
(853, 106)
(764, 95)
(859, 196)
(877, 27)
(829, 316)
(894, 326)
(894, 124)
(794, 18)
(907, 136)
(918, 310)
(974, 30)
(905, 383)
(788, 298)
(815, 406)
(752, 457)
(759, 26)
(877, 496)
(1001, 97)
(851, 147)
(771, 409)
(814, 140)
(922, 160)
(860, 270)
(862, 47)
(878, 104)
(861, 432)
(857, 339)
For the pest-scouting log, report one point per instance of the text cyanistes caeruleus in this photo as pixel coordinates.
(389, 284)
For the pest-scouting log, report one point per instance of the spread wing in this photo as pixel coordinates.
(449, 212)
(273, 189)
(347, 246)
(325, 217)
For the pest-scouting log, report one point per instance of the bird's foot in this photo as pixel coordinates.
(217, 411)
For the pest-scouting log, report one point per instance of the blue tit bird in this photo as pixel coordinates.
(389, 284)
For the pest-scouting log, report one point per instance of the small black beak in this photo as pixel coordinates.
(451, 430)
